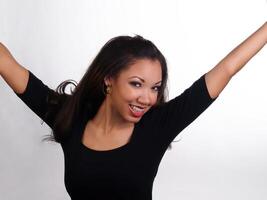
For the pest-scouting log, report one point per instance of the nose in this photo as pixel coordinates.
(146, 98)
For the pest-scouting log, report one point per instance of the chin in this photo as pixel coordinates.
(135, 120)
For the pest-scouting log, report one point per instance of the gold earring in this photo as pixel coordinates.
(108, 89)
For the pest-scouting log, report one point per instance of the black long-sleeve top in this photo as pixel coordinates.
(126, 172)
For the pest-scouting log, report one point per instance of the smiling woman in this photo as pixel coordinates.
(116, 125)
(102, 118)
(120, 58)
(125, 93)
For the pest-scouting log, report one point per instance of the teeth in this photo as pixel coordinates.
(135, 108)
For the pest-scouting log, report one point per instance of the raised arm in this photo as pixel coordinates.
(31, 90)
(218, 77)
(15, 75)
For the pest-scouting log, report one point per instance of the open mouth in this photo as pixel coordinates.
(136, 108)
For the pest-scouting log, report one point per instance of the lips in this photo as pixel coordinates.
(136, 110)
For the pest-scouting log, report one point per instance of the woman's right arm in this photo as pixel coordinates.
(15, 75)
(31, 90)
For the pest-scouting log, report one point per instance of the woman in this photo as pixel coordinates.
(115, 127)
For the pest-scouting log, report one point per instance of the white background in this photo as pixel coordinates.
(222, 155)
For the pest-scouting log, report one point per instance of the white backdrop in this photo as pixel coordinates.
(222, 155)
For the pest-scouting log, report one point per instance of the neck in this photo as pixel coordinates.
(108, 121)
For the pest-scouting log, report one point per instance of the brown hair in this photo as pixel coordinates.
(116, 55)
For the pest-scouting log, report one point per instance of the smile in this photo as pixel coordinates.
(136, 108)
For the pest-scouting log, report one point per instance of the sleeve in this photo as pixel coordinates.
(35, 97)
(169, 119)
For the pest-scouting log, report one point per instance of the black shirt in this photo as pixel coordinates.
(126, 172)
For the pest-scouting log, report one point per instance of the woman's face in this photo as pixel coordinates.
(135, 90)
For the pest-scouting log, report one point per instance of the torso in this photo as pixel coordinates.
(92, 138)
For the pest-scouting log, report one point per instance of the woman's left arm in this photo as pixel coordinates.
(218, 77)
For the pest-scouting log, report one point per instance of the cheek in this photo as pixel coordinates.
(125, 94)
(154, 101)
(130, 95)
(128, 91)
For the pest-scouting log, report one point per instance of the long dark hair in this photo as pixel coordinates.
(116, 55)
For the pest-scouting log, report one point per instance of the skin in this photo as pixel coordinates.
(219, 76)
(216, 79)
(120, 125)
(114, 122)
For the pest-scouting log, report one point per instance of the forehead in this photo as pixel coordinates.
(149, 70)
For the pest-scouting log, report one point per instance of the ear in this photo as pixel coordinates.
(107, 80)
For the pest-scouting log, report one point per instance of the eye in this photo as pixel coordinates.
(135, 84)
(157, 88)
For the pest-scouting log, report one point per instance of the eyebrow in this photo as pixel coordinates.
(142, 79)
